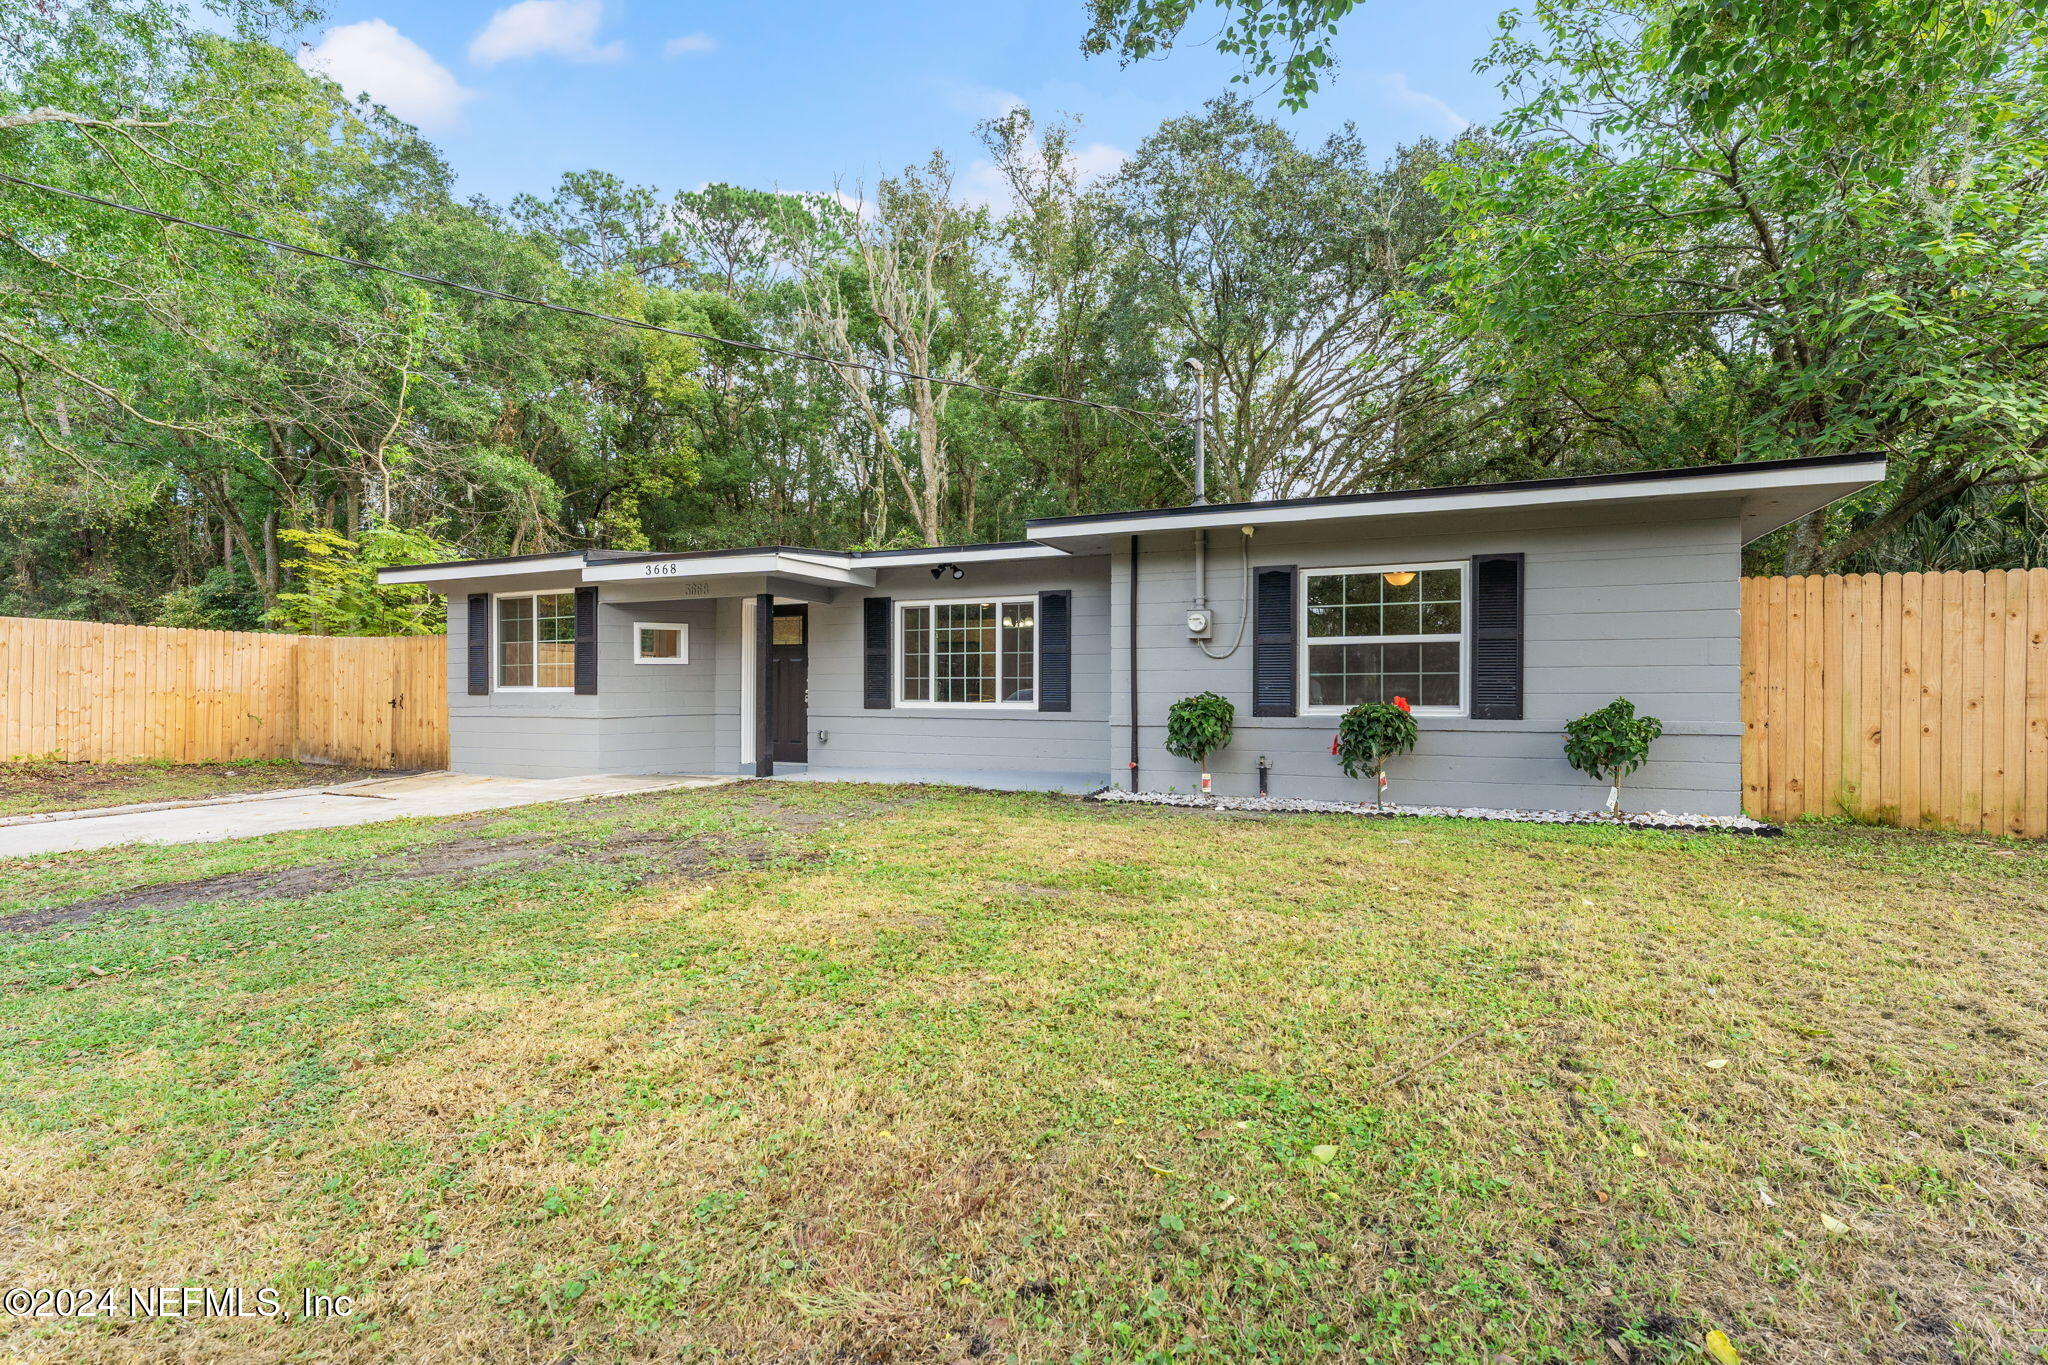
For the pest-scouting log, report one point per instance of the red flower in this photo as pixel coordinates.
(1402, 702)
(1334, 742)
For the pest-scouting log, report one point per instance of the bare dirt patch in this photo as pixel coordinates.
(664, 857)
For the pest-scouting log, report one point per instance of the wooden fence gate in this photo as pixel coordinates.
(86, 692)
(1903, 699)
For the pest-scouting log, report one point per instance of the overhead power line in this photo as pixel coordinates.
(481, 291)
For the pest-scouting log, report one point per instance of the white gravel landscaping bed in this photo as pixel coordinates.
(1659, 819)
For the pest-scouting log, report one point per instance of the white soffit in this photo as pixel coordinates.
(481, 569)
(835, 570)
(963, 554)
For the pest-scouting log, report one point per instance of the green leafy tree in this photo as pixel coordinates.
(338, 592)
(1368, 735)
(1753, 230)
(1198, 726)
(1611, 743)
(1285, 40)
(1286, 271)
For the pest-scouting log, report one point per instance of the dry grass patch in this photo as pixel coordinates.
(961, 1077)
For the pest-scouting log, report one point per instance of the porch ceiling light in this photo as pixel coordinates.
(1400, 579)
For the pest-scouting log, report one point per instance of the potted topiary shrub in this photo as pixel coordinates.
(1368, 735)
(1611, 743)
(1198, 726)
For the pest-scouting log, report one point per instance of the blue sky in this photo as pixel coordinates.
(804, 94)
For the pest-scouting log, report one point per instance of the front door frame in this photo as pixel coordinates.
(787, 736)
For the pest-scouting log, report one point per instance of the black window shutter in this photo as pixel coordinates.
(1056, 651)
(874, 671)
(479, 644)
(586, 642)
(1496, 637)
(1273, 685)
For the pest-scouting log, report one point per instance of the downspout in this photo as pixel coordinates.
(1194, 369)
(1131, 657)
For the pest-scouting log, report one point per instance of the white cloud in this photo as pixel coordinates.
(983, 101)
(688, 44)
(1394, 88)
(985, 183)
(567, 28)
(855, 204)
(1099, 161)
(373, 58)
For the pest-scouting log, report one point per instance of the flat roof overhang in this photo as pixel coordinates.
(1772, 493)
(1769, 493)
(832, 571)
(509, 566)
(718, 573)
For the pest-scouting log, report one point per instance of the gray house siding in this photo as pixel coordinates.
(657, 718)
(964, 742)
(727, 703)
(1647, 609)
(644, 718)
(512, 734)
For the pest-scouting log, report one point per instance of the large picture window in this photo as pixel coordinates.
(969, 653)
(537, 640)
(1376, 634)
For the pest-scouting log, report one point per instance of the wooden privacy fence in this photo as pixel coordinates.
(83, 691)
(1907, 699)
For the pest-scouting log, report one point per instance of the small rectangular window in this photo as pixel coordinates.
(659, 642)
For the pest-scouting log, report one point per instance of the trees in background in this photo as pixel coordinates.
(1289, 272)
(1703, 239)
(1738, 229)
(1705, 231)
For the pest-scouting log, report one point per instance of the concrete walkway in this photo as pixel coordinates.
(355, 803)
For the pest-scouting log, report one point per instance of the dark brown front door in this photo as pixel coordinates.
(789, 685)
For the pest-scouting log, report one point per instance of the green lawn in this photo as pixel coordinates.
(34, 787)
(777, 1072)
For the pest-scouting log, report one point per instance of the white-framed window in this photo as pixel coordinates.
(982, 653)
(1384, 631)
(536, 641)
(661, 642)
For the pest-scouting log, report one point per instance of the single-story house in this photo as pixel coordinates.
(1499, 611)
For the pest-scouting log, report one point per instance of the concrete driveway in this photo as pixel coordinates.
(354, 803)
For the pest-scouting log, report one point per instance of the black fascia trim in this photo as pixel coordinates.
(1514, 486)
(636, 556)
(947, 549)
(501, 559)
